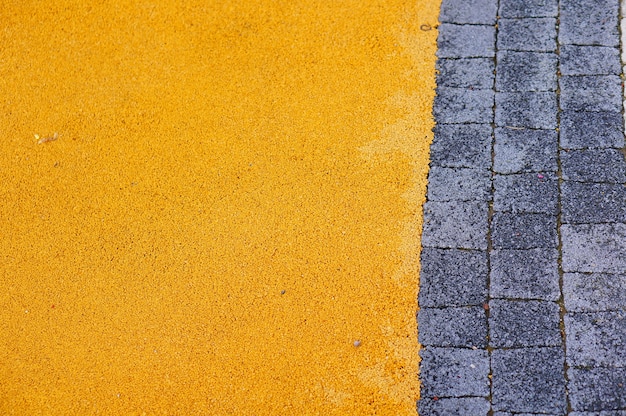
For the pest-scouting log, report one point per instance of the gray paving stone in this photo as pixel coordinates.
(594, 165)
(536, 34)
(527, 323)
(590, 60)
(528, 8)
(476, 73)
(593, 202)
(526, 109)
(526, 150)
(597, 389)
(466, 406)
(591, 93)
(522, 414)
(586, 129)
(452, 327)
(454, 372)
(526, 71)
(524, 231)
(476, 12)
(526, 192)
(525, 274)
(462, 146)
(585, 22)
(594, 292)
(452, 277)
(596, 338)
(455, 225)
(594, 248)
(466, 41)
(458, 184)
(528, 380)
(462, 105)
(606, 413)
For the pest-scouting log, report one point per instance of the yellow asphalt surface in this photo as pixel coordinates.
(212, 207)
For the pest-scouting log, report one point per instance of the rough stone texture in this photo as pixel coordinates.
(452, 184)
(526, 71)
(453, 327)
(466, 406)
(454, 372)
(528, 8)
(590, 60)
(591, 93)
(455, 225)
(461, 146)
(605, 413)
(475, 73)
(522, 414)
(466, 41)
(462, 105)
(525, 150)
(596, 339)
(524, 231)
(452, 278)
(528, 380)
(594, 292)
(597, 389)
(588, 129)
(536, 35)
(475, 12)
(526, 109)
(526, 192)
(525, 274)
(594, 248)
(585, 22)
(593, 202)
(594, 165)
(528, 323)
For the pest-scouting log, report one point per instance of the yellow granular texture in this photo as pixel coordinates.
(212, 207)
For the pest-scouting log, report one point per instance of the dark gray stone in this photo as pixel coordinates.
(455, 225)
(591, 93)
(596, 338)
(452, 277)
(580, 130)
(525, 150)
(462, 105)
(594, 248)
(452, 327)
(526, 71)
(524, 231)
(475, 12)
(466, 406)
(594, 292)
(522, 414)
(528, 380)
(526, 109)
(593, 202)
(454, 372)
(594, 165)
(526, 192)
(585, 22)
(527, 323)
(528, 8)
(597, 389)
(466, 41)
(525, 274)
(536, 35)
(454, 184)
(590, 60)
(462, 146)
(473, 73)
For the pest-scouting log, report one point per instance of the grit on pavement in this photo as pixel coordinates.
(523, 266)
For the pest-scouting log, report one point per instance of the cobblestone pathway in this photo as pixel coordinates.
(523, 281)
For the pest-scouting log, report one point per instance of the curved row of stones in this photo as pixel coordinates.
(523, 272)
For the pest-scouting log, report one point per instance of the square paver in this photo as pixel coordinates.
(455, 225)
(594, 292)
(596, 338)
(466, 41)
(529, 380)
(590, 60)
(597, 389)
(589, 129)
(466, 406)
(525, 150)
(528, 8)
(454, 372)
(458, 184)
(593, 202)
(594, 165)
(526, 192)
(525, 274)
(462, 146)
(452, 327)
(591, 93)
(476, 12)
(592, 248)
(523, 231)
(462, 105)
(523, 323)
(526, 71)
(526, 109)
(536, 34)
(585, 22)
(451, 277)
(474, 73)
